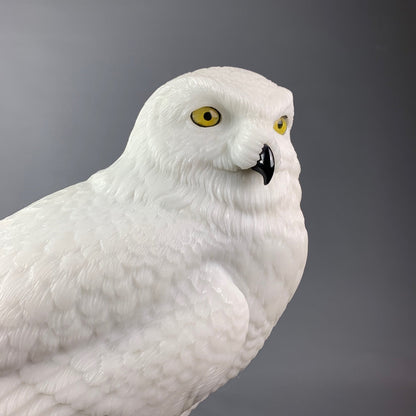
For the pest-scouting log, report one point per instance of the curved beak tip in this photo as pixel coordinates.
(265, 164)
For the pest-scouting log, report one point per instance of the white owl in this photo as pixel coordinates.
(147, 287)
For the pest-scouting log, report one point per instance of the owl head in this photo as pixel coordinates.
(219, 124)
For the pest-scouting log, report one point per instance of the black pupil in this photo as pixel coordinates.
(207, 116)
(280, 124)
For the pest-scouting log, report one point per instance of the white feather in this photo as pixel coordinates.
(147, 287)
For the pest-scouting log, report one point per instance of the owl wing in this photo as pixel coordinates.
(162, 368)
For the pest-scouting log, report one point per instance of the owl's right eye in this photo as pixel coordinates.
(206, 116)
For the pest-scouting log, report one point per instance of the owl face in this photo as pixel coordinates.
(228, 119)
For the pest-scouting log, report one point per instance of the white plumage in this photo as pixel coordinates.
(147, 287)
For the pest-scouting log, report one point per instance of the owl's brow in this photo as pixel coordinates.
(231, 99)
(259, 108)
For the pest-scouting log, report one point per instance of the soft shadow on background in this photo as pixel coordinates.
(74, 74)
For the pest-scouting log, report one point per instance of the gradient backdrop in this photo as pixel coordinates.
(74, 74)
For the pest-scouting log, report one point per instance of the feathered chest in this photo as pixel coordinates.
(265, 256)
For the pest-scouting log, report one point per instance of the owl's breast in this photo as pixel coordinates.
(268, 265)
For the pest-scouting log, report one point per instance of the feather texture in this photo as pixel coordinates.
(147, 287)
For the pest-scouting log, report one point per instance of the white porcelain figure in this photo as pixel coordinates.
(145, 288)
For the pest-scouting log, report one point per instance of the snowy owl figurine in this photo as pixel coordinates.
(145, 288)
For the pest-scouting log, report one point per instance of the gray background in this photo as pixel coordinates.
(74, 74)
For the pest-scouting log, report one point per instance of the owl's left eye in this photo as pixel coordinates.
(206, 117)
(281, 125)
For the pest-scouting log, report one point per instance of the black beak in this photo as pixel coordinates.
(265, 165)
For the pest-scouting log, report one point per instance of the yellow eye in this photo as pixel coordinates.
(281, 125)
(206, 117)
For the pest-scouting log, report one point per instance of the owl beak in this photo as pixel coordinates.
(265, 165)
